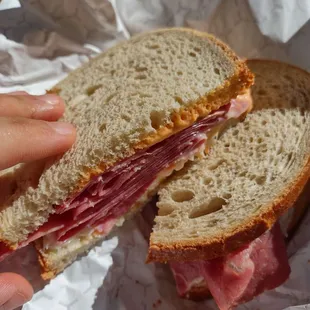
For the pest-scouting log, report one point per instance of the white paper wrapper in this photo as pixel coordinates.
(42, 40)
(9, 4)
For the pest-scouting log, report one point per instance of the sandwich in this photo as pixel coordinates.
(223, 222)
(142, 109)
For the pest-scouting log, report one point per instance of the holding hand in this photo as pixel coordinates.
(28, 132)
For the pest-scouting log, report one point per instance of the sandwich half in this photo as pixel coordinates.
(142, 109)
(218, 222)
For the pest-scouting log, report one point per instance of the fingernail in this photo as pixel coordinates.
(62, 128)
(50, 99)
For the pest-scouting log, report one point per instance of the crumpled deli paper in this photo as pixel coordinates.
(41, 41)
(9, 4)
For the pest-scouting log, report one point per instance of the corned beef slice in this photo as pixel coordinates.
(242, 275)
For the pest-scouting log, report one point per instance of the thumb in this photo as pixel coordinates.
(14, 291)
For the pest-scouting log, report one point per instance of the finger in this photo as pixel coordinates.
(48, 107)
(14, 291)
(24, 140)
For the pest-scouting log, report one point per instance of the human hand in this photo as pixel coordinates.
(28, 132)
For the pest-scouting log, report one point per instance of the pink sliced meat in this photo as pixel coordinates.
(114, 192)
(189, 279)
(4, 251)
(242, 275)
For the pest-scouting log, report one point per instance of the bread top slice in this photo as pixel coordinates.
(253, 174)
(128, 98)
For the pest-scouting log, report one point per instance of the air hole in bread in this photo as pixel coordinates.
(140, 77)
(110, 98)
(289, 157)
(140, 69)
(226, 195)
(207, 181)
(165, 210)
(91, 90)
(164, 67)
(180, 73)
(214, 205)
(157, 119)
(259, 140)
(242, 174)
(235, 132)
(153, 46)
(179, 100)
(182, 195)
(102, 127)
(264, 122)
(125, 117)
(280, 150)
(192, 54)
(197, 49)
(260, 180)
(246, 126)
(282, 111)
(252, 177)
(217, 164)
(275, 86)
(217, 71)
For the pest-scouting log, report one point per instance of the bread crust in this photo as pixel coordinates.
(47, 272)
(246, 232)
(50, 266)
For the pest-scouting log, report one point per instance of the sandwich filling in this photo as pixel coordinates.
(239, 276)
(108, 197)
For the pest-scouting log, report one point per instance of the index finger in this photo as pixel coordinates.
(48, 107)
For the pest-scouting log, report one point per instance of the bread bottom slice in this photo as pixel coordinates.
(55, 261)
